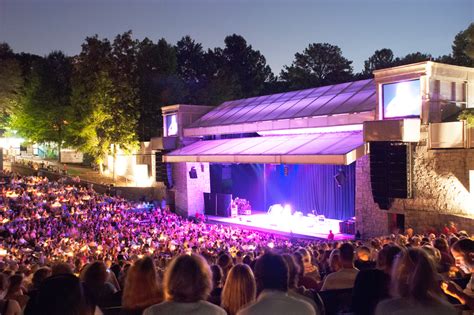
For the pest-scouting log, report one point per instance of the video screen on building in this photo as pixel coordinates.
(402, 99)
(171, 124)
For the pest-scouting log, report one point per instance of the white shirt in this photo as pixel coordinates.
(341, 279)
(272, 302)
(405, 306)
(197, 308)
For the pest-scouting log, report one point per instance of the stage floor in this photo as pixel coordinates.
(302, 226)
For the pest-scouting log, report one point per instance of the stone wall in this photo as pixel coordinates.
(441, 193)
(189, 198)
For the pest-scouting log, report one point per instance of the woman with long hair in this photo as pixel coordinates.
(186, 285)
(415, 287)
(142, 288)
(239, 289)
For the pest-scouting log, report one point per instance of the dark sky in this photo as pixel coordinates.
(278, 28)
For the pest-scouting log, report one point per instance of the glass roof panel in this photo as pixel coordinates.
(350, 104)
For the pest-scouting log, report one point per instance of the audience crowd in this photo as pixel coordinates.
(68, 250)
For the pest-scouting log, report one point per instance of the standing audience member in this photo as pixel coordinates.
(7, 306)
(345, 277)
(414, 287)
(239, 289)
(271, 275)
(186, 284)
(142, 288)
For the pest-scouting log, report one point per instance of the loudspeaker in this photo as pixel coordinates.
(340, 178)
(163, 171)
(223, 204)
(390, 172)
(193, 172)
(210, 204)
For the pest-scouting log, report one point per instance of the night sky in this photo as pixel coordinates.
(278, 28)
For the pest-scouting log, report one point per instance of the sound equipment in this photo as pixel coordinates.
(210, 204)
(390, 172)
(223, 204)
(193, 172)
(163, 171)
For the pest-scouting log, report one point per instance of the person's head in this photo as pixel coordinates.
(39, 276)
(441, 244)
(370, 287)
(414, 275)
(432, 252)
(363, 253)
(239, 289)
(225, 262)
(217, 276)
(187, 279)
(61, 268)
(334, 260)
(346, 254)
(141, 285)
(386, 257)
(95, 274)
(62, 295)
(271, 272)
(293, 270)
(306, 256)
(463, 253)
(14, 283)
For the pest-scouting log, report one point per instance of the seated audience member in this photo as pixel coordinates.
(300, 292)
(343, 278)
(186, 284)
(61, 268)
(95, 281)
(225, 262)
(386, 258)
(62, 295)
(463, 253)
(239, 289)
(303, 280)
(38, 278)
(142, 288)
(310, 270)
(271, 275)
(363, 261)
(8, 307)
(215, 295)
(15, 290)
(370, 287)
(447, 259)
(415, 287)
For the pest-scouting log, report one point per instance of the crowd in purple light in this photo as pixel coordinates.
(131, 255)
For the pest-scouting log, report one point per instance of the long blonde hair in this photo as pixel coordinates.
(142, 288)
(239, 289)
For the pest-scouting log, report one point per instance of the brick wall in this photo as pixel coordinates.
(440, 193)
(189, 198)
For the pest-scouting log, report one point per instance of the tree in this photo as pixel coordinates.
(247, 65)
(11, 83)
(381, 59)
(319, 64)
(105, 96)
(159, 85)
(463, 47)
(44, 111)
(413, 58)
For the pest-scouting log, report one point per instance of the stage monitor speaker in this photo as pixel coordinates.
(210, 204)
(390, 172)
(223, 204)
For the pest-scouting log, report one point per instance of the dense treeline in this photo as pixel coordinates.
(112, 92)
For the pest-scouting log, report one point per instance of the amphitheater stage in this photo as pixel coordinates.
(289, 226)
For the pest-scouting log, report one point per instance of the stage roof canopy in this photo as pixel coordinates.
(341, 148)
(340, 104)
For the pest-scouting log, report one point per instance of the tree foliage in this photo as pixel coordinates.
(319, 64)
